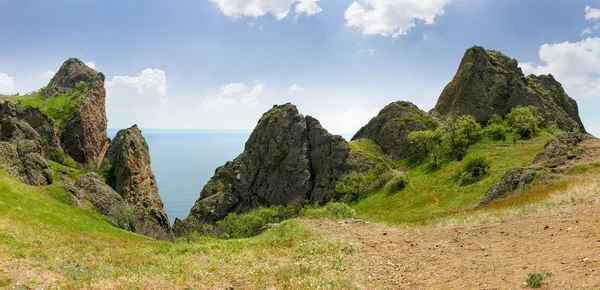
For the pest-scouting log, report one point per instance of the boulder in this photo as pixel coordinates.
(21, 153)
(390, 128)
(288, 159)
(38, 121)
(92, 188)
(559, 150)
(131, 176)
(488, 82)
(513, 179)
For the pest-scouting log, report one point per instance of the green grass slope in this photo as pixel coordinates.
(432, 194)
(47, 242)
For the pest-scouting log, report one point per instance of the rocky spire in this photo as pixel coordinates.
(488, 82)
(288, 159)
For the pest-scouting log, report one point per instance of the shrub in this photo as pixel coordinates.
(105, 167)
(358, 184)
(524, 121)
(253, 222)
(496, 132)
(398, 183)
(534, 280)
(332, 210)
(428, 143)
(459, 134)
(475, 169)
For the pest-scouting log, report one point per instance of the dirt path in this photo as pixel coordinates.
(494, 256)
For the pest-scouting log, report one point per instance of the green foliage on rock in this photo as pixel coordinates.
(58, 107)
(58, 154)
(524, 121)
(357, 184)
(105, 168)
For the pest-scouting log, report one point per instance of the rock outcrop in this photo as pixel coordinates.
(488, 82)
(21, 153)
(42, 124)
(131, 176)
(288, 159)
(390, 128)
(84, 135)
(92, 188)
(557, 152)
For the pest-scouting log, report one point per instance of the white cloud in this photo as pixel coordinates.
(369, 51)
(592, 13)
(7, 84)
(296, 88)
(280, 9)
(392, 17)
(348, 121)
(235, 94)
(151, 81)
(47, 74)
(575, 64)
(308, 7)
(91, 64)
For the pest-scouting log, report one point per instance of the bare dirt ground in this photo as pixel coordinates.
(493, 256)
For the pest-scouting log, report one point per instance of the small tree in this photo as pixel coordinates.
(459, 134)
(428, 143)
(524, 121)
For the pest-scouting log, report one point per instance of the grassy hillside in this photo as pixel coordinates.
(437, 193)
(46, 242)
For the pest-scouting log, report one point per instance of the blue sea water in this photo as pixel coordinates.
(183, 161)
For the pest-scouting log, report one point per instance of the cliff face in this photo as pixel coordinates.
(390, 128)
(488, 82)
(84, 134)
(288, 159)
(131, 176)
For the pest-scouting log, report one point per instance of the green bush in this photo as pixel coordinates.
(496, 132)
(534, 280)
(474, 170)
(332, 210)
(105, 168)
(524, 121)
(253, 222)
(459, 133)
(428, 143)
(398, 183)
(358, 184)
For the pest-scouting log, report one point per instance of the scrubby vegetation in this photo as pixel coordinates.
(534, 280)
(253, 222)
(58, 107)
(524, 121)
(474, 169)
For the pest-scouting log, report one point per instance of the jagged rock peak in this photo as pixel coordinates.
(70, 73)
(488, 82)
(84, 136)
(288, 159)
(390, 128)
(132, 177)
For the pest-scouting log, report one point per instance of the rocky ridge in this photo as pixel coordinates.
(488, 82)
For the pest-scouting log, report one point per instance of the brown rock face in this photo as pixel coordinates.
(132, 177)
(84, 134)
(288, 159)
(488, 82)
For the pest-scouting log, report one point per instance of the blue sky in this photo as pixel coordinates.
(219, 64)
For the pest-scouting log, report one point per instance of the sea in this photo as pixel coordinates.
(184, 160)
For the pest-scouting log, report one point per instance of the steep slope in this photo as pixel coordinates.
(390, 128)
(288, 159)
(488, 82)
(132, 177)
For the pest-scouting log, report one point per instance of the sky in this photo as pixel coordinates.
(220, 64)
